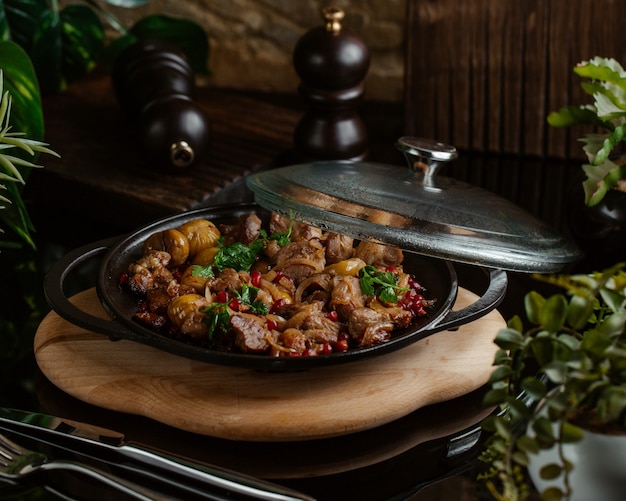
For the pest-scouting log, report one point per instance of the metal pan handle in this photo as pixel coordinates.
(54, 290)
(490, 299)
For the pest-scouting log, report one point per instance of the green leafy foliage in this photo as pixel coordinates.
(218, 314)
(238, 256)
(217, 319)
(14, 146)
(65, 44)
(248, 297)
(607, 85)
(570, 362)
(383, 284)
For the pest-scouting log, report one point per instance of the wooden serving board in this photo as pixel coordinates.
(243, 404)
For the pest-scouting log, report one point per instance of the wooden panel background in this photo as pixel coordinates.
(484, 74)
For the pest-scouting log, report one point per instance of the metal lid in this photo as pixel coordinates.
(415, 210)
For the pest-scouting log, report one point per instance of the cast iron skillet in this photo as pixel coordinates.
(438, 276)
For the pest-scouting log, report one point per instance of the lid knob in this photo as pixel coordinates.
(426, 156)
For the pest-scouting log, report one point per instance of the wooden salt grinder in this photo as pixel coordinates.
(331, 62)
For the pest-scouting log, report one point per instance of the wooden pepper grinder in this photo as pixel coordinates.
(155, 85)
(331, 62)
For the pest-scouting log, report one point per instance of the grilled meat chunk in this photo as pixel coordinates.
(378, 254)
(251, 333)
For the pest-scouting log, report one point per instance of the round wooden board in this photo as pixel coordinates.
(243, 404)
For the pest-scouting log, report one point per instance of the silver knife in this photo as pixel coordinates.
(103, 445)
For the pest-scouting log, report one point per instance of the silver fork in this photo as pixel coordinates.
(18, 463)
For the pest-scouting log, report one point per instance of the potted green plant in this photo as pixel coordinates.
(596, 208)
(558, 377)
(605, 81)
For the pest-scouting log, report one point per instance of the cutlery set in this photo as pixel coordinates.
(149, 469)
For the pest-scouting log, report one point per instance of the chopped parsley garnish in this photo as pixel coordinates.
(218, 314)
(248, 297)
(283, 238)
(238, 256)
(202, 271)
(217, 318)
(383, 284)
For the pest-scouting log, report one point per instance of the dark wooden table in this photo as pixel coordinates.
(103, 185)
(102, 169)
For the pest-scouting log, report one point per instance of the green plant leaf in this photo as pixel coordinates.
(83, 41)
(503, 428)
(4, 26)
(613, 299)
(542, 349)
(45, 52)
(570, 433)
(535, 388)
(542, 426)
(533, 302)
(494, 397)
(602, 69)
(23, 19)
(550, 471)
(578, 311)
(516, 323)
(520, 457)
(509, 339)
(594, 190)
(576, 115)
(519, 410)
(612, 403)
(15, 216)
(609, 144)
(528, 444)
(608, 105)
(595, 342)
(552, 494)
(553, 313)
(502, 357)
(500, 373)
(613, 325)
(188, 36)
(21, 82)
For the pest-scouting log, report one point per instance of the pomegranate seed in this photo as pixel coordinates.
(341, 345)
(235, 304)
(332, 315)
(271, 324)
(123, 278)
(222, 297)
(255, 278)
(277, 305)
(280, 275)
(327, 349)
(391, 269)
